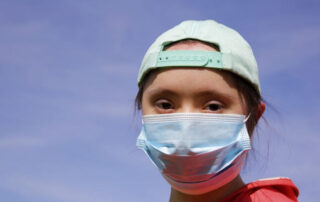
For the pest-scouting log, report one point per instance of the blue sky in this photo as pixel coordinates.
(68, 81)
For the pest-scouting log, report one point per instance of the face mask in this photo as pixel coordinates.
(195, 152)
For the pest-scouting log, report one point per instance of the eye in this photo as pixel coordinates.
(164, 105)
(214, 106)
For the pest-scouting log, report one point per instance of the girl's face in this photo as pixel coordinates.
(191, 90)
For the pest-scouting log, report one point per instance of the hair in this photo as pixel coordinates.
(246, 90)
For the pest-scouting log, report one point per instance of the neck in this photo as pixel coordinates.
(213, 196)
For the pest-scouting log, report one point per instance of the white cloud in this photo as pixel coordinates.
(286, 48)
(12, 141)
(37, 188)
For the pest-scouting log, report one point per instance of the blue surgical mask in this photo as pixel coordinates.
(195, 152)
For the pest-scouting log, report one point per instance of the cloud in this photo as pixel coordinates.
(12, 141)
(31, 187)
(286, 48)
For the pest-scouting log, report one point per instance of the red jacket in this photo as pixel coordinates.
(266, 190)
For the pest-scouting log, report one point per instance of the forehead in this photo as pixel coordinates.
(190, 80)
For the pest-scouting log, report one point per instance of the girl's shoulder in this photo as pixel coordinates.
(278, 189)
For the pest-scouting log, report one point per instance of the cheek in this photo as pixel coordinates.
(146, 107)
(242, 108)
(237, 107)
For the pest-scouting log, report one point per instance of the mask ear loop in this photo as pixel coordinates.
(246, 119)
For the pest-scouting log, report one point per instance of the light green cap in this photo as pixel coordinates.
(235, 53)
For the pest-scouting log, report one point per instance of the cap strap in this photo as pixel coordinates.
(189, 58)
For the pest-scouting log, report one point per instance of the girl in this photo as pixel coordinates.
(200, 98)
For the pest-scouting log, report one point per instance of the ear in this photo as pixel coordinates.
(261, 109)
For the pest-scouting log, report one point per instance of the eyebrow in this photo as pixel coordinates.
(159, 91)
(215, 93)
(204, 93)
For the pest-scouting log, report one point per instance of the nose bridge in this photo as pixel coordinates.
(187, 106)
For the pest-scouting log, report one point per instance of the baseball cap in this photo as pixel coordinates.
(235, 53)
